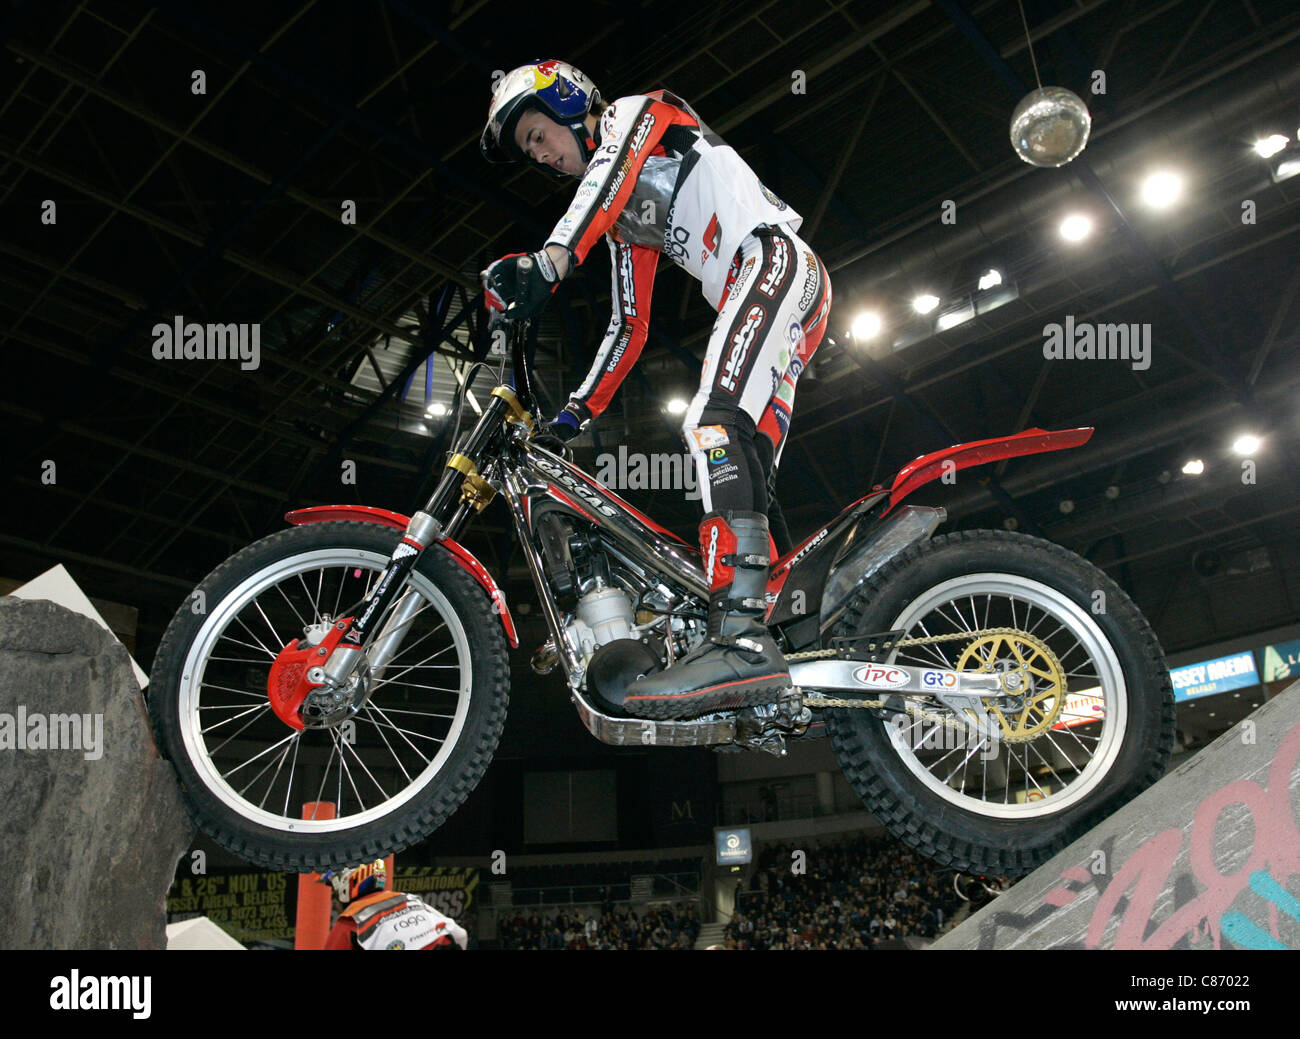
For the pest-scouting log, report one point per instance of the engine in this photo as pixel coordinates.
(619, 622)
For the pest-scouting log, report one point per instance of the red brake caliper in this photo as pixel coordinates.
(287, 686)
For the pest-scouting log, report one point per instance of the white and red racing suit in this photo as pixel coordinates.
(393, 920)
(661, 182)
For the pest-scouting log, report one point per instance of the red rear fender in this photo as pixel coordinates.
(367, 514)
(1032, 441)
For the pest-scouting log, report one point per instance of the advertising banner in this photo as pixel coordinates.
(1282, 661)
(734, 847)
(249, 906)
(449, 889)
(1214, 676)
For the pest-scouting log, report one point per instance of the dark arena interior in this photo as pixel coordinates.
(240, 275)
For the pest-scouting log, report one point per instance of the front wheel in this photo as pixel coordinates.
(422, 735)
(1092, 727)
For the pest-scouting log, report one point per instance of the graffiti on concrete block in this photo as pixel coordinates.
(1242, 905)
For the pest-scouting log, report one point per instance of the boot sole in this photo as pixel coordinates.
(726, 696)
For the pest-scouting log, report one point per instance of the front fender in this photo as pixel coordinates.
(462, 555)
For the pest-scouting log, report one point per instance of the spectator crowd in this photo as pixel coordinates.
(658, 927)
(851, 894)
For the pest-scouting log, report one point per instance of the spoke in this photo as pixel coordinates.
(430, 667)
(1072, 650)
(959, 622)
(967, 758)
(409, 732)
(1030, 777)
(421, 714)
(984, 759)
(226, 721)
(938, 647)
(227, 775)
(338, 796)
(432, 631)
(275, 635)
(374, 708)
(216, 750)
(414, 685)
(988, 606)
(224, 707)
(280, 588)
(292, 765)
(1079, 737)
(1054, 632)
(246, 645)
(241, 623)
(934, 659)
(1040, 622)
(1011, 603)
(378, 786)
(1050, 769)
(227, 689)
(412, 667)
(394, 753)
(237, 660)
(340, 743)
(313, 599)
(984, 776)
(338, 596)
(283, 754)
(271, 785)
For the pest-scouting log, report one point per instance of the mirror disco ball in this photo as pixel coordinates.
(1050, 126)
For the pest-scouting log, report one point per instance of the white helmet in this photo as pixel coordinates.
(554, 88)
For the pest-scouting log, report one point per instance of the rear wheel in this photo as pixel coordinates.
(423, 732)
(1093, 727)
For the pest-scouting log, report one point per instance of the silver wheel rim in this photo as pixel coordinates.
(354, 782)
(1091, 666)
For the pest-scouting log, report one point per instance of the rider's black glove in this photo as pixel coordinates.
(567, 424)
(563, 428)
(525, 280)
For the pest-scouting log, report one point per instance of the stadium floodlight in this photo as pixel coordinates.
(1193, 467)
(1246, 444)
(1162, 189)
(436, 410)
(1285, 164)
(1270, 146)
(925, 303)
(867, 325)
(990, 279)
(1076, 227)
(677, 406)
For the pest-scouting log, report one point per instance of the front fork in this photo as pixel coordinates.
(461, 492)
(422, 531)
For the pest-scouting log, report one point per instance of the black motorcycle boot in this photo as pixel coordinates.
(738, 665)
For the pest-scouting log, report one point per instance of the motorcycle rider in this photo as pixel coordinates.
(656, 180)
(375, 918)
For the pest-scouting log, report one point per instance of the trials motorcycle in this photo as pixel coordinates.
(334, 691)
